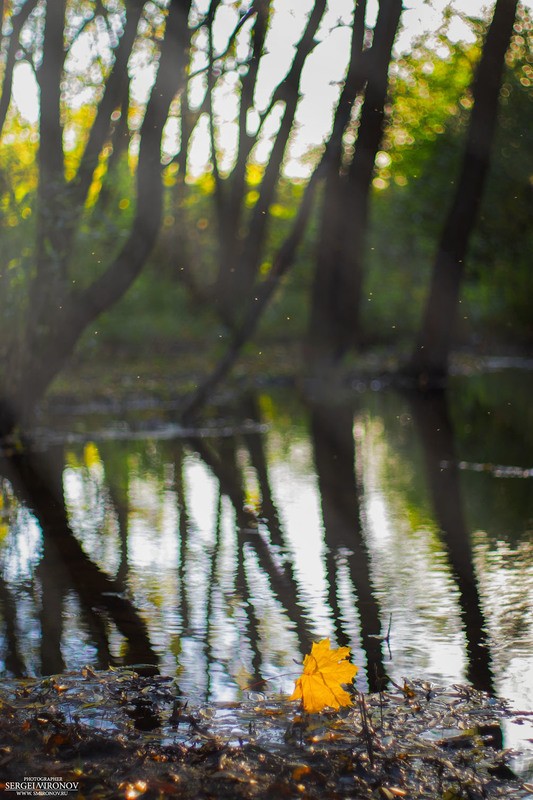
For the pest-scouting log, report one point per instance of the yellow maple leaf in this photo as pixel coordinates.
(324, 671)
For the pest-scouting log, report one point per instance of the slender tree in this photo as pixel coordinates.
(337, 285)
(227, 278)
(336, 296)
(429, 361)
(57, 311)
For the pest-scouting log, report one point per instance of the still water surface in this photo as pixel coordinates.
(401, 527)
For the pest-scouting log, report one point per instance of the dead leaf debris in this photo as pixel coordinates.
(123, 735)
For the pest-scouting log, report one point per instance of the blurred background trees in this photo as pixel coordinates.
(170, 171)
(429, 360)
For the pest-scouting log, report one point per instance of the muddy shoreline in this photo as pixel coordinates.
(120, 734)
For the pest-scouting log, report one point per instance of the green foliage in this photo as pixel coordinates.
(18, 180)
(501, 280)
(155, 314)
(415, 176)
(424, 145)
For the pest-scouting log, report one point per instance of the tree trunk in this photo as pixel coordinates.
(56, 321)
(429, 361)
(336, 295)
(237, 277)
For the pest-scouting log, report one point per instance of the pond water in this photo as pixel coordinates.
(399, 526)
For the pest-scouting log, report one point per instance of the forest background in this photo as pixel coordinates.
(194, 176)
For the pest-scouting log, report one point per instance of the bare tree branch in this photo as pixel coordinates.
(289, 92)
(17, 22)
(219, 56)
(219, 188)
(115, 91)
(248, 85)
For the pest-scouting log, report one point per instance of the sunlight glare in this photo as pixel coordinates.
(26, 92)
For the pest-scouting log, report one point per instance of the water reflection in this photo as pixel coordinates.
(64, 567)
(334, 460)
(220, 558)
(430, 411)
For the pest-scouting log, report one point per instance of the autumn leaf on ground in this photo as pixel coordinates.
(324, 671)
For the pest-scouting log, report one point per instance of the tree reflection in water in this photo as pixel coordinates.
(430, 412)
(334, 458)
(38, 480)
(206, 576)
